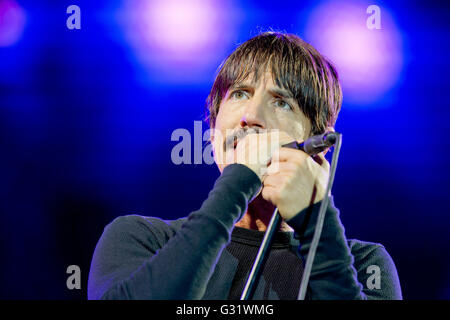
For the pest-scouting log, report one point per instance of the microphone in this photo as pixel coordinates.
(315, 144)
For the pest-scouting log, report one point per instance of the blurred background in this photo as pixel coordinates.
(87, 115)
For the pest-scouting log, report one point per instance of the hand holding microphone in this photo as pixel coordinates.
(292, 179)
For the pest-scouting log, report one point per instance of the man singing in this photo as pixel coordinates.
(275, 89)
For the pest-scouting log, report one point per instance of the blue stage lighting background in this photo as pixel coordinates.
(86, 118)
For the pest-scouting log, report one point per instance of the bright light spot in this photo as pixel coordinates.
(369, 62)
(182, 27)
(12, 22)
(175, 37)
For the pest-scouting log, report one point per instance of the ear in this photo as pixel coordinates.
(328, 129)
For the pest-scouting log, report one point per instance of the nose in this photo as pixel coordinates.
(253, 116)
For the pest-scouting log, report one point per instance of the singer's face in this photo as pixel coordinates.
(260, 106)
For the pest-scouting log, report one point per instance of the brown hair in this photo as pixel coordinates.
(295, 66)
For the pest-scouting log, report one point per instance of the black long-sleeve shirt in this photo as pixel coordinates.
(141, 257)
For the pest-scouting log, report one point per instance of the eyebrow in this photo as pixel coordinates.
(240, 86)
(282, 93)
(274, 91)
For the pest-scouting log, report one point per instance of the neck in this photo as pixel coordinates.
(258, 215)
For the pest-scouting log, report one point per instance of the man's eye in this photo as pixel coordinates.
(238, 94)
(283, 105)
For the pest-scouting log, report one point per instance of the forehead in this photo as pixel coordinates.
(255, 79)
(266, 79)
(282, 64)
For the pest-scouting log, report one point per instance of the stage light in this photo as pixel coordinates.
(12, 22)
(175, 38)
(369, 61)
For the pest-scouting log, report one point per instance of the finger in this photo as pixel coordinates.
(274, 180)
(288, 154)
(270, 194)
(276, 166)
(322, 161)
(252, 150)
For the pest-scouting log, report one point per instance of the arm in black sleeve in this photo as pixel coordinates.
(333, 275)
(130, 262)
(376, 271)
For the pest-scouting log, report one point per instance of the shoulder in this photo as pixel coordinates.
(137, 226)
(375, 269)
(364, 249)
(368, 253)
(126, 243)
(155, 223)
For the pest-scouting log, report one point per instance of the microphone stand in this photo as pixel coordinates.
(261, 257)
(311, 146)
